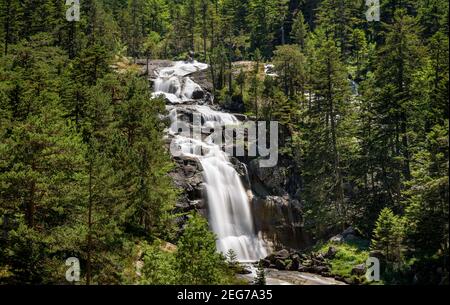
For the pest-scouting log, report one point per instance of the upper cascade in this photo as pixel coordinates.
(174, 84)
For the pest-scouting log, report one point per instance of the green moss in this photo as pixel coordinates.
(348, 256)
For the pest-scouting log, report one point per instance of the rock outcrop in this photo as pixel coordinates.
(285, 260)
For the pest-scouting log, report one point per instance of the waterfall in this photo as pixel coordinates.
(230, 215)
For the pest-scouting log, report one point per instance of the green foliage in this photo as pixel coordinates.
(232, 259)
(388, 235)
(300, 30)
(198, 262)
(260, 279)
(290, 64)
(348, 255)
(76, 166)
(264, 18)
(158, 266)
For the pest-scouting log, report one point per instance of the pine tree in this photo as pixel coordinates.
(198, 262)
(388, 235)
(232, 259)
(260, 279)
(338, 19)
(265, 18)
(428, 200)
(398, 62)
(255, 85)
(327, 128)
(290, 64)
(300, 30)
(11, 21)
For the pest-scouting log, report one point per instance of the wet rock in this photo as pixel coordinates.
(154, 65)
(187, 176)
(265, 263)
(203, 78)
(241, 117)
(281, 220)
(241, 169)
(198, 94)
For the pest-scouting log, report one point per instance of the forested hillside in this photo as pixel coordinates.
(363, 108)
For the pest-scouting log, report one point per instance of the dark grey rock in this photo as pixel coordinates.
(359, 270)
(282, 254)
(198, 94)
(280, 264)
(331, 253)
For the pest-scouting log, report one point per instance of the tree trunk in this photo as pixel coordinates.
(7, 25)
(337, 170)
(89, 237)
(30, 206)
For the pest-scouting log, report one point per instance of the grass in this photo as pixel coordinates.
(349, 255)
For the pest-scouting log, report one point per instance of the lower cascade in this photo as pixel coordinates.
(230, 214)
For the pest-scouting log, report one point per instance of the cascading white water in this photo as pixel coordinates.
(229, 210)
(174, 84)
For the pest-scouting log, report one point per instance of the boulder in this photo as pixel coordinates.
(243, 271)
(350, 237)
(359, 270)
(265, 263)
(350, 234)
(282, 254)
(294, 265)
(240, 117)
(198, 94)
(296, 258)
(320, 269)
(319, 257)
(349, 231)
(280, 264)
(302, 268)
(338, 239)
(331, 253)
(203, 79)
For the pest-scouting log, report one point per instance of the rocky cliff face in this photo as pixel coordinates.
(278, 212)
